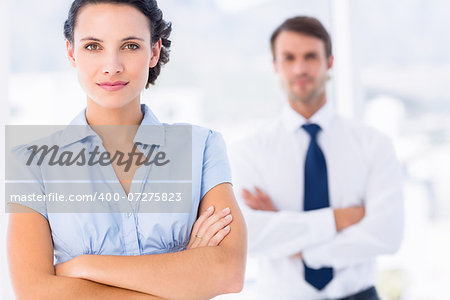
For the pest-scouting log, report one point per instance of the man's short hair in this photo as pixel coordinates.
(305, 25)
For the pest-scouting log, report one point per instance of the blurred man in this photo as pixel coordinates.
(322, 195)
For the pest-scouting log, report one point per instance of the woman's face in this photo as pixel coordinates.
(112, 53)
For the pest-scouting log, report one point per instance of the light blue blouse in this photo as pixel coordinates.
(122, 233)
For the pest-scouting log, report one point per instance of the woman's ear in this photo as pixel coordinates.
(70, 54)
(156, 51)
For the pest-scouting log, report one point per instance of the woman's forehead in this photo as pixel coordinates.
(107, 21)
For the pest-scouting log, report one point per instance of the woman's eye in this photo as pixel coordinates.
(132, 46)
(92, 47)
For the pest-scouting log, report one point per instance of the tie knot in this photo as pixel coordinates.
(312, 130)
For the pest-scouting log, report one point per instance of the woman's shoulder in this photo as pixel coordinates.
(27, 148)
(196, 129)
(199, 135)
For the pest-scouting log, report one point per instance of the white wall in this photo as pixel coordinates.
(5, 290)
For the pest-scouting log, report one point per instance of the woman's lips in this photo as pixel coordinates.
(112, 86)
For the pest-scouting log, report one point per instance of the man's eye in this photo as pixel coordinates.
(132, 46)
(92, 47)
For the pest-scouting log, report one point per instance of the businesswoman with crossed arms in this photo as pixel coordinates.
(118, 48)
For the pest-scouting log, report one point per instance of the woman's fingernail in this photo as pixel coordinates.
(210, 208)
(228, 218)
(226, 210)
(227, 227)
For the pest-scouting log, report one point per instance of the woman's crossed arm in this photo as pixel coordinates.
(198, 273)
(30, 256)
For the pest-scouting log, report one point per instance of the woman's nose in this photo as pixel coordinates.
(112, 65)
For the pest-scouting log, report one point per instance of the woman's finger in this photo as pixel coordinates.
(214, 229)
(211, 220)
(203, 216)
(201, 219)
(219, 236)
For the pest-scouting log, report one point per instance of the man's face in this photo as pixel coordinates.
(301, 62)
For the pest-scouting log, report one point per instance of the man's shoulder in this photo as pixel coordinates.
(262, 135)
(365, 135)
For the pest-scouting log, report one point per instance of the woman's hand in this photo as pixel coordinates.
(210, 228)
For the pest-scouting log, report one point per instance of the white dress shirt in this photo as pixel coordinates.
(362, 170)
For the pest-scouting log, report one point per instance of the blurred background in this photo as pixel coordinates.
(392, 67)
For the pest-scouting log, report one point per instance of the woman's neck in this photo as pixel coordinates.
(129, 114)
(122, 122)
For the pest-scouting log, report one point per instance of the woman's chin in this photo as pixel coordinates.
(112, 103)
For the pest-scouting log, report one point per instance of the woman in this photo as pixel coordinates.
(118, 48)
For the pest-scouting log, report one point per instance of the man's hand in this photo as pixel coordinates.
(258, 201)
(210, 228)
(345, 217)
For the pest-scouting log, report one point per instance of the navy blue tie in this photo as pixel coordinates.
(316, 197)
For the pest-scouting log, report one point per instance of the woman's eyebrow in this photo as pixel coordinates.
(90, 38)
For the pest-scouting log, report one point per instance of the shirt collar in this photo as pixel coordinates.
(293, 120)
(150, 131)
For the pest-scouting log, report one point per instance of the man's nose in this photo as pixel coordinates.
(300, 66)
(112, 64)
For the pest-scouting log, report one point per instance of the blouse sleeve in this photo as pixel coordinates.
(24, 183)
(216, 168)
